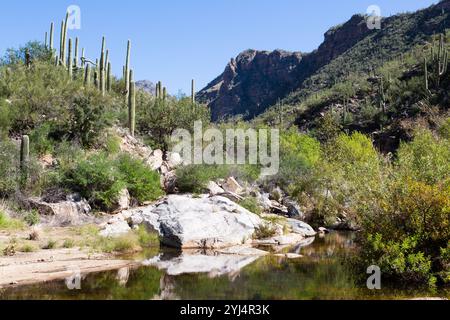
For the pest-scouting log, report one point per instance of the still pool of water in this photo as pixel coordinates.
(320, 274)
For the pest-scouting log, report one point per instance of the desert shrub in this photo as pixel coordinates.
(9, 172)
(5, 121)
(194, 178)
(408, 230)
(158, 119)
(251, 204)
(32, 217)
(37, 50)
(7, 223)
(68, 243)
(328, 127)
(444, 130)
(425, 159)
(51, 244)
(27, 248)
(299, 154)
(264, 231)
(89, 114)
(112, 143)
(143, 183)
(146, 238)
(96, 179)
(41, 143)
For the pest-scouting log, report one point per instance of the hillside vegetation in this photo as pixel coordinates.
(68, 109)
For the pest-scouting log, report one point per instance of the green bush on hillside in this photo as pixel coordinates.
(142, 183)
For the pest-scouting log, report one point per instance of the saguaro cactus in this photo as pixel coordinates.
(24, 156)
(83, 62)
(109, 78)
(132, 107)
(27, 58)
(102, 67)
(127, 70)
(157, 90)
(87, 76)
(51, 37)
(193, 92)
(61, 43)
(46, 40)
(425, 69)
(75, 60)
(164, 95)
(70, 61)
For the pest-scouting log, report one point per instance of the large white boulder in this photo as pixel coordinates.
(216, 222)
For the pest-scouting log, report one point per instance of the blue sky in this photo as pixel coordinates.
(177, 40)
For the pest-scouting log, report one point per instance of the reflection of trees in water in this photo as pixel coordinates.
(167, 288)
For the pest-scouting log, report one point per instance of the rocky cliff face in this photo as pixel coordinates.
(255, 80)
(251, 82)
(147, 86)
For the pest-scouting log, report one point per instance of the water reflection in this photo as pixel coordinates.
(320, 274)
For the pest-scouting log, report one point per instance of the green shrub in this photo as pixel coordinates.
(251, 204)
(425, 159)
(27, 248)
(6, 223)
(158, 119)
(146, 238)
(194, 178)
(112, 143)
(9, 164)
(32, 218)
(51, 244)
(41, 144)
(264, 231)
(444, 130)
(68, 243)
(299, 154)
(143, 183)
(97, 179)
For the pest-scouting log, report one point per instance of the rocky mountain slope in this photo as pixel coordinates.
(256, 80)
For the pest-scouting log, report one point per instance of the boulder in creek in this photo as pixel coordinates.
(216, 222)
(301, 228)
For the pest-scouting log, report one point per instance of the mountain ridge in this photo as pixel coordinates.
(256, 80)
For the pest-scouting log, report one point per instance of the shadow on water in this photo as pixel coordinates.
(321, 274)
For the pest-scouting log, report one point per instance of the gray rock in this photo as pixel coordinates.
(122, 201)
(170, 182)
(276, 194)
(174, 160)
(155, 161)
(215, 222)
(293, 208)
(231, 185)
(264, 201)
(115, 229)
(301, 227)
(62, 213)
(214, 188)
